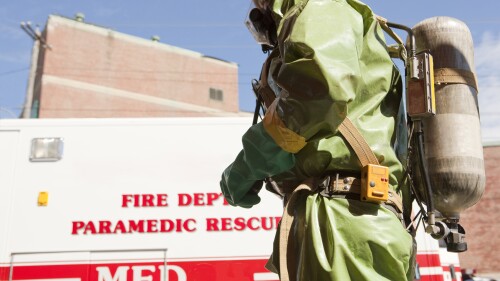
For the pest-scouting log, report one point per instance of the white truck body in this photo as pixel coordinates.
(137, 200)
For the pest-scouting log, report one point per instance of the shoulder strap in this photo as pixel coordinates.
(262, 88)
(400, 50)
(358, 143)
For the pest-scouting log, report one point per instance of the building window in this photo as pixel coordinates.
(216, 94)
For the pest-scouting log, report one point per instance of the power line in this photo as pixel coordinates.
(128, 70)
(164, 79)
(177, 25)
(134, 110)
(231, 24)
(4, 109)
(14, 71)
(249, 46)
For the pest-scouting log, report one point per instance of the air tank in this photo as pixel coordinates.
(452, 138)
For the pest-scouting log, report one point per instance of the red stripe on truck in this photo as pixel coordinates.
(428, 260)
(227, 270)
(207, 270)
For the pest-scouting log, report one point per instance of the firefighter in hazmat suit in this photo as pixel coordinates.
(334, 113)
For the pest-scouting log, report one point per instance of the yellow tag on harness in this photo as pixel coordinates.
(374, 183)
(287, 139)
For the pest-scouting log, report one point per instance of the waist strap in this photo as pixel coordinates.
(335, 185)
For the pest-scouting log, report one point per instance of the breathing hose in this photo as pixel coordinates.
(424, 171)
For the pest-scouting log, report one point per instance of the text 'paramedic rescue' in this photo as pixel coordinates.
(168, 225)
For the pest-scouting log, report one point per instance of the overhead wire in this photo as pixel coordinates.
(14, 71)
(145, 70)
(177, 25)
(91, 109)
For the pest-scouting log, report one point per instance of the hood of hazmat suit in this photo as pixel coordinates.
(330, 63)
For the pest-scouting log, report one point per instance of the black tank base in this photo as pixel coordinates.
(456, 247)
(455, 241)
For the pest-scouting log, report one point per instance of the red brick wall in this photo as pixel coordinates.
(98, 56)
(482, 221)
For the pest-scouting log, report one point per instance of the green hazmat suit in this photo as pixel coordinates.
(333, 63)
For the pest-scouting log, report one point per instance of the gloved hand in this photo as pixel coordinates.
(260, 158)
(243, 199)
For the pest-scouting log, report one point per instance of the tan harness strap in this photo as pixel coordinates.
(263, 88)
(396, 201)
(286, 224)
(358, 143)
(365, 155)
(455, 76)
(383, 23)
(401, 45)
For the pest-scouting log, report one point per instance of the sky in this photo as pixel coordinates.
(216, 28)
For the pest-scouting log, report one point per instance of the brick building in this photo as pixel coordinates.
(91, 71)
(481, 221)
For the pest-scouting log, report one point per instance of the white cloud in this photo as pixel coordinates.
(487, 60)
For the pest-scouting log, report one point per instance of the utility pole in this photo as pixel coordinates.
(36, 36)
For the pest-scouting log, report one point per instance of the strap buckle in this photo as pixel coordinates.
(338, 185)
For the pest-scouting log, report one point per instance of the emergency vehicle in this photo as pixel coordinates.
(138, 200)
